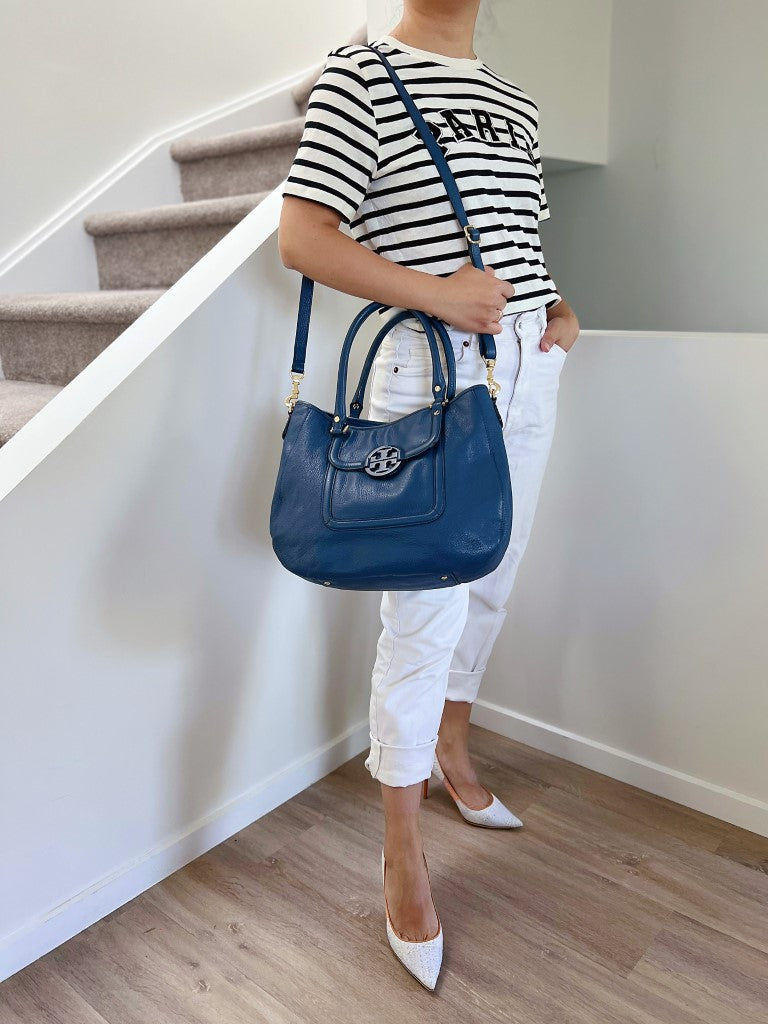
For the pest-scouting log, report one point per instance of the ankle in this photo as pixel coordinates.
(402, 845)
(452, 744)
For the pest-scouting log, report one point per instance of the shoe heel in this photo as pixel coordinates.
(425, 788)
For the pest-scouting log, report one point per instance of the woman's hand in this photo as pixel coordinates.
(471, 299)
(562, 328)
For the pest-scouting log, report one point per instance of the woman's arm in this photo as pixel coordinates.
(309, 240)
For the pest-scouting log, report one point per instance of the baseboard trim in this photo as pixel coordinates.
(726, 804)
(63, 922)
(40, 936)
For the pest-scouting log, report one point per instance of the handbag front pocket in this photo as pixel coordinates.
(386, 474)
(395, 492)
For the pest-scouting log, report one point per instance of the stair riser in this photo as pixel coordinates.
(52, 352)
(236, 173)
(153, 259)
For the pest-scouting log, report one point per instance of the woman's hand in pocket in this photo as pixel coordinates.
(562, 328)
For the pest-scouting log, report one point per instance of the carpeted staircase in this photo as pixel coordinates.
(47, 339)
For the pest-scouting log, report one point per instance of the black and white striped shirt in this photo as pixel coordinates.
(361, 154)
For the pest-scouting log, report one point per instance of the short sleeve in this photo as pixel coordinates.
(544, 211)
(339, 147)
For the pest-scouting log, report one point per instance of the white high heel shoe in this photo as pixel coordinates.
(494, 815)
(421, 959)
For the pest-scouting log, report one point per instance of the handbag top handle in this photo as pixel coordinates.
(471, 234)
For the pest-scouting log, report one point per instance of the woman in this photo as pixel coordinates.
(361, 160)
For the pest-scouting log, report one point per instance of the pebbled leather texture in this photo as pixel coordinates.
(442, 517)
(421, 959)
(413, 434)
(495, 815)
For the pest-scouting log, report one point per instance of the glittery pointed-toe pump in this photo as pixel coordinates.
(493, 815)
(421, 959)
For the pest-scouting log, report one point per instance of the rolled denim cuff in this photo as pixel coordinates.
(400, 766)
(463, 685)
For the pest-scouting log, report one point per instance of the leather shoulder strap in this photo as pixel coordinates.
(471, 233)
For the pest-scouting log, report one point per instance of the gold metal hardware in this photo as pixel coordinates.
(493, 386)
(290, 401)
(443, 577)
(467, 229)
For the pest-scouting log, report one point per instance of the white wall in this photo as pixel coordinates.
(672, 234)
(635, 641)
(85, 83)
(531, 42)
(164, 681)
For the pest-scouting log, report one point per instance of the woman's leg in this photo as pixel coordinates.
(408, 896)
(407, 698)
(419, 632)
(529, 413)
(452, 750)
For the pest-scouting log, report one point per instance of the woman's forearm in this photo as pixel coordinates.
(334, 259)
(561, 309)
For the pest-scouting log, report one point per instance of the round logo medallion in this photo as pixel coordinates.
(383, 460)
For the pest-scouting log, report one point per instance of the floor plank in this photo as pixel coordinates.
(609, 906)
(40, 995)
(704, 972)
(710, 889)
(745, 848)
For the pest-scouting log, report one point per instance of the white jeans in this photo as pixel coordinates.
(435, 644)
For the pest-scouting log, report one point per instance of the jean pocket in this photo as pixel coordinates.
(461, 345)
(465, 345)
(414, 362)
(414, 356)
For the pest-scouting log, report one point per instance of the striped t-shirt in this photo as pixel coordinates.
(361, 154)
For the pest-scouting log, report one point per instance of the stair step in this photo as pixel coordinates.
(227, 210)
(253, 160)
(48, 338)
(20, 400)
(118, 306)
(155, 246)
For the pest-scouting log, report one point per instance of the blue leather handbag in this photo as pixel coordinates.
(415, 503)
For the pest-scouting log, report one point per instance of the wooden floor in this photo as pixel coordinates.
(609, 906)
